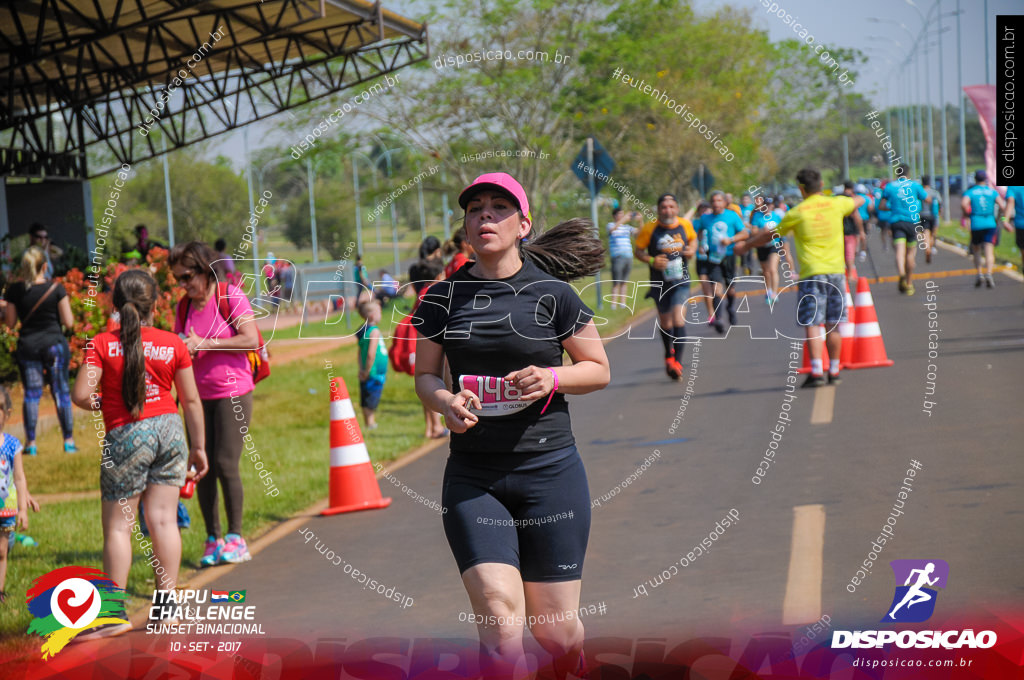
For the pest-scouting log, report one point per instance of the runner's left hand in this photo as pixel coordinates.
(533, 382)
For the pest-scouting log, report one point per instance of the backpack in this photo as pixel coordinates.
(259, 358)
(402, 353)
(403, 346)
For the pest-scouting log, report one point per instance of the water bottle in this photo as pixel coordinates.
(189, 488)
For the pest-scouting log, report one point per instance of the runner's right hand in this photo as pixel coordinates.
(660, 262)
(457, 416)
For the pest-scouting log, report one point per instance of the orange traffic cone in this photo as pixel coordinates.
(806, 368)
(868, 348)
(353, 484)
(847, 329)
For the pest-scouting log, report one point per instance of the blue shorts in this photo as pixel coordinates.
(821, 300)
(369, 393)
(531, 511)
(979, 236)
(672, 294)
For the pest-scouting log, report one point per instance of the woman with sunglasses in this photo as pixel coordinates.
(218, 344)
(518, 505)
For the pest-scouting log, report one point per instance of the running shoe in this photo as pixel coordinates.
(31, 450)
(977, 284)
(719, 327)
(989, 282)
(673, 369)
(903, 285)
(732, 318)
(211, 555)
(834, 379)
(69, 447)
(235, 550)
(814, 381)
(910, 289)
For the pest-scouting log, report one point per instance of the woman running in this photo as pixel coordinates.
(763, 219)
(515, 489)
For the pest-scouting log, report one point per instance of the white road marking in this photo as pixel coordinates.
(824, 405)
(802, 602)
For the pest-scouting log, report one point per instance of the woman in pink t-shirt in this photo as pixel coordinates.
(218, 326)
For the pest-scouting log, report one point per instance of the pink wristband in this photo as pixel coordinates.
(552, 392)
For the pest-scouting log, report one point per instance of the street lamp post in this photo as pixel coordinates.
(960, 96)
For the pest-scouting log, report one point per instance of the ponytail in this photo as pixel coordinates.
(133, 380)
(134, 297)
(567, 251)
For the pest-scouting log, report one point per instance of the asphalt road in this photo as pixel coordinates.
(802, 532)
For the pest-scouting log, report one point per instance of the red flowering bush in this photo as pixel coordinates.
(91, 308)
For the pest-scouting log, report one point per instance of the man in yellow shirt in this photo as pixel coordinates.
(665, 245)
(817, 226)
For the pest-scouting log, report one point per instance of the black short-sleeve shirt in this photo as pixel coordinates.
(493, 327)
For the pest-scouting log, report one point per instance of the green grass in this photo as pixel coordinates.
(1006, 250)
(289, 427)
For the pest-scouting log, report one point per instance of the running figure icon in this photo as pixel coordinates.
(915, 594)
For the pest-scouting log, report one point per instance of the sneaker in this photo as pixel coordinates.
(989, 282)
(678, 368)
(69, 447)
(211, 555)
(105, 631)
(732, 318)
(903, 285)
(834, 379)
(814, 381)
(673, 369)
(719, 327)
(910, 289)
(711, 320)
(235, 550)
(31, 450)
(977, 284)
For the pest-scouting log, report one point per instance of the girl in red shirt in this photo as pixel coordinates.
(128, 375)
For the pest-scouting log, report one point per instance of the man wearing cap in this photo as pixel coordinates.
(980, 203)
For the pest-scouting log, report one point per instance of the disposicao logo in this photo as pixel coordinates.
(919, 579)
(69, 601)
(914, 601)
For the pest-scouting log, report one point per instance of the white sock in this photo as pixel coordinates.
(816, 366)
(833, 366)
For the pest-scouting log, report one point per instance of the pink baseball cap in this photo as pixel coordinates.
(501, 181)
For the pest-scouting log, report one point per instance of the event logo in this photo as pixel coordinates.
(69, 601)
(914, 601)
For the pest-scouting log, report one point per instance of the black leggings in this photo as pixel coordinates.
(224, 420)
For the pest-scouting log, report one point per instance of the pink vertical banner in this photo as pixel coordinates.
(984, 99)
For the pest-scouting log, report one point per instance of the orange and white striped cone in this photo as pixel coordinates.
(353, 486)
(806, 368)
(868, 347)
(848, 330)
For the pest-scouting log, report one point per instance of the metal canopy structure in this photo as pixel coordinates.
(97, 77)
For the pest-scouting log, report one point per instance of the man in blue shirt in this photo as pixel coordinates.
(620, 249)
(903, 199)
(1015, 211)
(980, 203)
(717, 231)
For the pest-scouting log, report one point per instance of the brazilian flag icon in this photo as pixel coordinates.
(237, 596)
